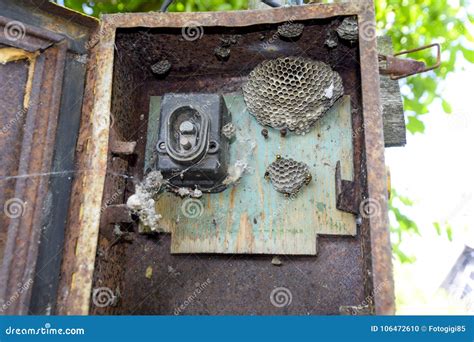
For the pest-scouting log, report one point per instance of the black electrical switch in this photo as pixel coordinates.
(191, 149)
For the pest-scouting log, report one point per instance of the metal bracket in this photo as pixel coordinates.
(399, 68)
(345, 193)
(116, 213)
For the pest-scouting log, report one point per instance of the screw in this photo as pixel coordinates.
(283, 132)
(265, 133)
(278, 156)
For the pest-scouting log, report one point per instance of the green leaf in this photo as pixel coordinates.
(468, 54)
(449, 233)
(446, 106)
(414, 125)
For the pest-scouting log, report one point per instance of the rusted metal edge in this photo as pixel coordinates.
(34, 39)
(84, 216)
(233, 18)
(67, 13)
(381, 254)
(21, 247)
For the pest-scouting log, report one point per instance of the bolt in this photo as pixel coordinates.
(265, 133)
(283, 132)
(278, 156)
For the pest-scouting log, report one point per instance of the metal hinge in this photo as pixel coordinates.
(399, 68)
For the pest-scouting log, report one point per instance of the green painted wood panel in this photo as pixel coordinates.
(251, 217)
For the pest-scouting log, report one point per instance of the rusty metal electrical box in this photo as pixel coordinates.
(201, 146)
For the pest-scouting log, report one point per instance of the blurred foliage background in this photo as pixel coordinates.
(410, 23)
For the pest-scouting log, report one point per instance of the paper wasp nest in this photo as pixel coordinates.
(291, 92)
(288, 176)
(349, 29)
(290, 30)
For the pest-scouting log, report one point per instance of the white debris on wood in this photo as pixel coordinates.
(184, 192)
(196, 193)
(142, 203)
(235, 172)
(244, 154)
(329, 92)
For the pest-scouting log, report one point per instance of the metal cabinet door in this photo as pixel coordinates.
(43, 54)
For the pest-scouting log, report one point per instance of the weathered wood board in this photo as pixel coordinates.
(251, 217)
(394, 128)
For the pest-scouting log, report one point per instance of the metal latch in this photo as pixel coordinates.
(399, 68)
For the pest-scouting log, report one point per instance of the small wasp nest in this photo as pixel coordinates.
(349, 29)
(291, 92)
(290, 30)
(222, 52)
(229, 130)
(288, 176)
(331, 39)
(161, 67)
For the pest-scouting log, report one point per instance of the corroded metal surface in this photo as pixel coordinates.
(380, 247)
(371, 267)
(234, 18)
(35, 156)
(78, 263)
(47, 35)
